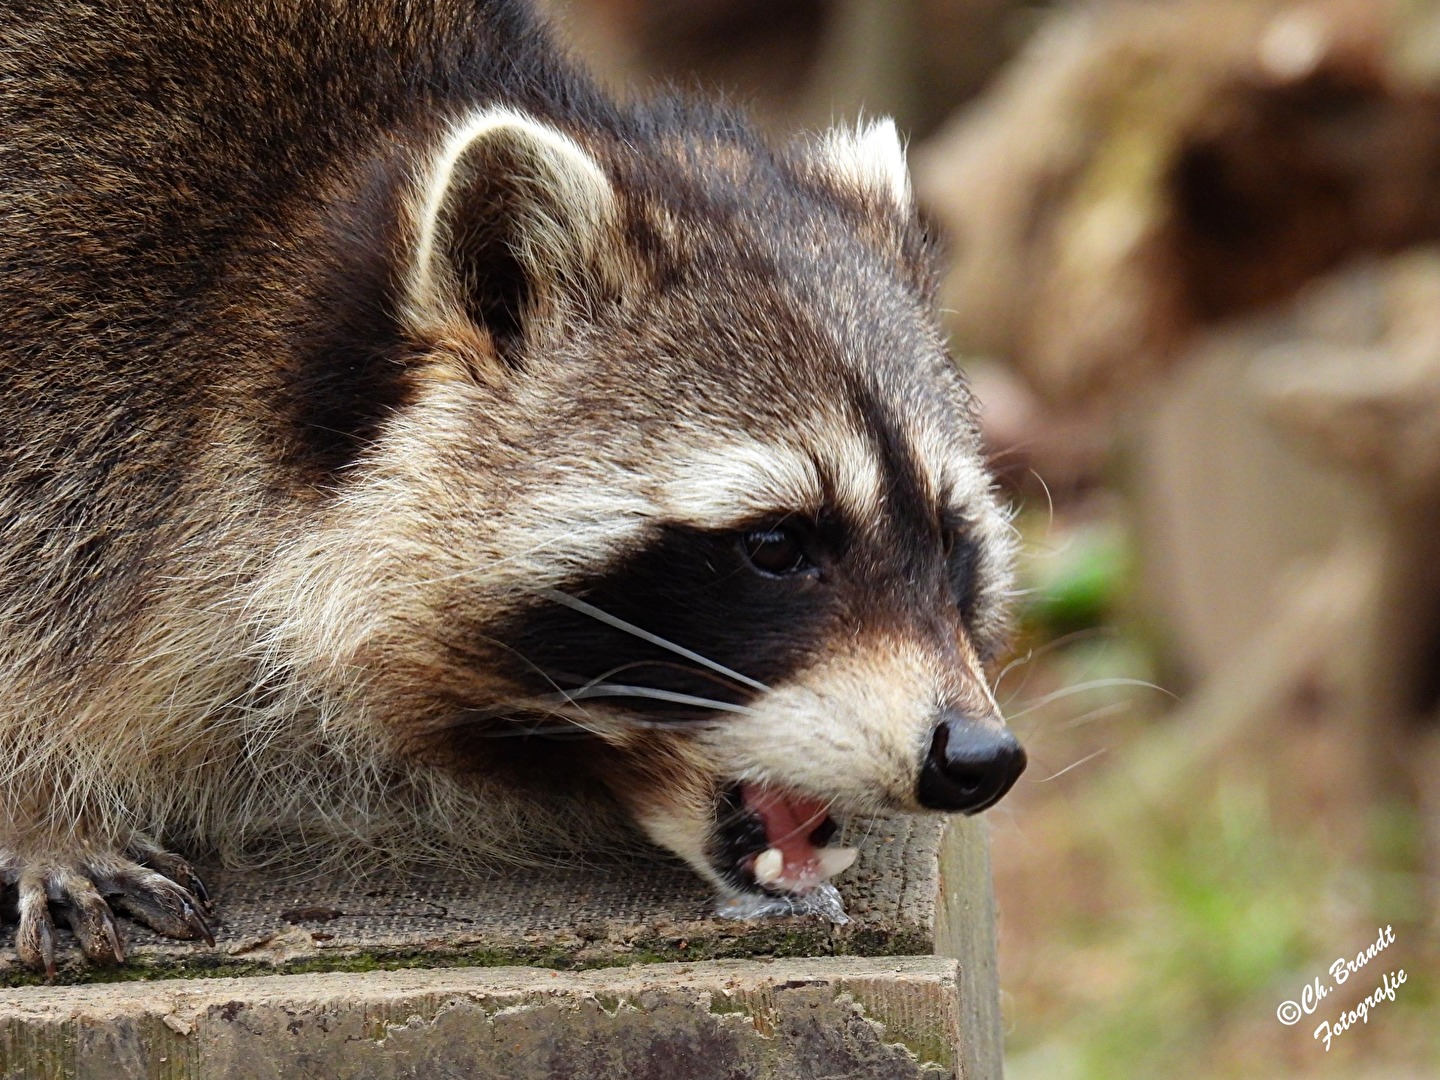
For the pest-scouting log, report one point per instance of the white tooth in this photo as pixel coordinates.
(832, 860)
(769, 866)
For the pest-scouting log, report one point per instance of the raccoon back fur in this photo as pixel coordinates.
(407, 449)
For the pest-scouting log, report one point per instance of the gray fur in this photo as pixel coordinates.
(270, 481)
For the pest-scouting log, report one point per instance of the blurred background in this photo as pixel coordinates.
(1193, 252)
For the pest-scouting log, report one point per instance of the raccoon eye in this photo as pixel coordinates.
(779, 551)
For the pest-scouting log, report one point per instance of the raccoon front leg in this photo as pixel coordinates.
(150, 884)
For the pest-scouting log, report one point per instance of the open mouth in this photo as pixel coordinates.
(775, 840)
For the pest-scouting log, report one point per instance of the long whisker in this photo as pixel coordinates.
(1049, 499)
(549, 702)
(848, 837)
(595, 690)
(1104, 712)
(1075, 765)
(645, 635)
(1093, 684)
(1015, 662)
(1039, 651)
(605, 676)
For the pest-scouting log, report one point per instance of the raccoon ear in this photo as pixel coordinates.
(870, 157)
(512, 216)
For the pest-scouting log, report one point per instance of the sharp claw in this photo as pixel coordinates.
(35, 939)
(113, 935)
(164, 906)
(174, 902)
(89, 916)
(47, 948)
(198, 924)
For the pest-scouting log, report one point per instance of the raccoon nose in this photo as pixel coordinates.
(969, 765)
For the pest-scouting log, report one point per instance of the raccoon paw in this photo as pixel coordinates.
(152, 856)
(156, 888)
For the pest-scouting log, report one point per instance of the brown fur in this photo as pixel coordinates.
(276, 505)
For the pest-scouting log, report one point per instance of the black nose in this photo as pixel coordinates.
(969, 766)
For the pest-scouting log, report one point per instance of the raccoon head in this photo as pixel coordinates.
(685, 500)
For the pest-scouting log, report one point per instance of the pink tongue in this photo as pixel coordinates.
(789, 821)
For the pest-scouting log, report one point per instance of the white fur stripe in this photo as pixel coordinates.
(871, 156)
(571, 176)
(722, 487)
(718, 488)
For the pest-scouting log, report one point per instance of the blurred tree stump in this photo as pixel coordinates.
(1237, 194)
(1145, 169)
(1375, 413)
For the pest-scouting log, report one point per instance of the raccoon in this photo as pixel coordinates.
(406, 448)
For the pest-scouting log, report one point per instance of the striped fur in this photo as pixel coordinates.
(342, 338)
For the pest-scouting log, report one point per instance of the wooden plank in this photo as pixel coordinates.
(860, 1018)
(591, 914)
(418, 977)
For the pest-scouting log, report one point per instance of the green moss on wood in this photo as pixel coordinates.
(779, 940)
